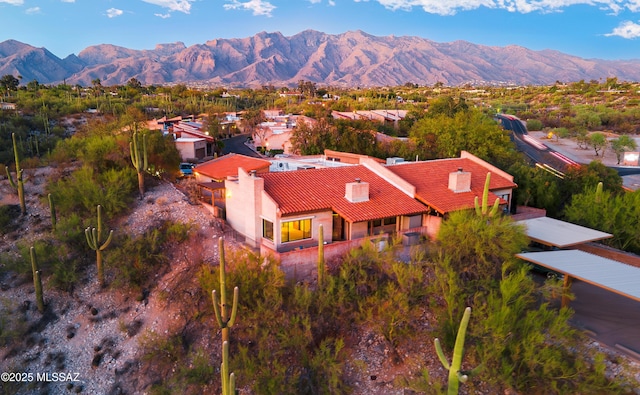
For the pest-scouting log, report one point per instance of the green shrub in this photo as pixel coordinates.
(534, 124)
(84, 189)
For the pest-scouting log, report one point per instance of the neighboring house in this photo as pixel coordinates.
(275, 133)
(191, 148)
(7, 106)
(386, 117)
(280, 212)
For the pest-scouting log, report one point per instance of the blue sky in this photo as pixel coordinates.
(604, 29)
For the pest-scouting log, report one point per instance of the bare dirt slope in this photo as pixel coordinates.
(94, 334)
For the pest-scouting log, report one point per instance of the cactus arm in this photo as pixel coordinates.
(107, 242)
(598, 197)
(11, 182)
(234, 308)
(232, 384)
(476, 202)
(90, 235)
(216, 309)
(495, 208)
(443, 359)
(456, 376)
(485, 194)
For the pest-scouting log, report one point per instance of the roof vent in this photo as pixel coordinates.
(357, 191)
(460, 181)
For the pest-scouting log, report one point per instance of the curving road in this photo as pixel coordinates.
(540, 154)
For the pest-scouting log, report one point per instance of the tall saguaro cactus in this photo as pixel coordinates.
(321, 264)
(18, 184)
(37, 281)
(484, 209)
(221, 310)
(456, 376)
(94, 237)
(138, 148)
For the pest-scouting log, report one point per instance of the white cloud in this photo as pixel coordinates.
(626, 29)
(114, 12)
(173, 5)
(451, 7)
(259, 7)
(163, 16)
(68, 1)
(33, 10)
(13, 2)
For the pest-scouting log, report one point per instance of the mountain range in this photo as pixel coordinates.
(349, 59)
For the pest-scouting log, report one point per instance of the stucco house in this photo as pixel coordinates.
(280, 212)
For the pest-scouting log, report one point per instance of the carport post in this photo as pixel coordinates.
(566, 284)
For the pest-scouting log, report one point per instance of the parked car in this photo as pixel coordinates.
(186, 169)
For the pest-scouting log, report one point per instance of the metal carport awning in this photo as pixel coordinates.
(601, 272)
(556, 233)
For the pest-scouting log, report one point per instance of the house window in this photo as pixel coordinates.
(267, 229)
(295, 230)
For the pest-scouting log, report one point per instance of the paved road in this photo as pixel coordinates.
(236, 144)
(546, 155)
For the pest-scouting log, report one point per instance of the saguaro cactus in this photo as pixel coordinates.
(138, 150)
(484, 210)
(222, 309)
(52, 208)
(37, 281)
(228, 380)
(321, 265)
(456, 376)
(94, 237)
(18, 184)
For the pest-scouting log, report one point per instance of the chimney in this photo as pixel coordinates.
(460, 181)
(357, 191)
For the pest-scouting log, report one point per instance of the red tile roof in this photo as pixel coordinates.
(220, 168)
(431, 179)
(324, 189)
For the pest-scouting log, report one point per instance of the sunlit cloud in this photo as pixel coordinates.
(330, 2)
(68, 1)
(163, 16)
(13, 2)
(33, 10)
(626, 29)
(173, 5)
(258, 7)
(114, 12)
(451, 7)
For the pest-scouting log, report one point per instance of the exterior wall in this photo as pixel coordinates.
(244, 204)
(302, 263)
(358, 230)
(432, 223)
(502, 193)
(191, 149)
(187, 150)
(409, 222)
